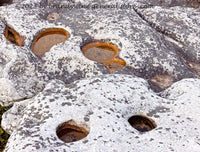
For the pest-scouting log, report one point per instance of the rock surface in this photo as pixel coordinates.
(147, 52)
(172, 3)
(103, 105)
(179, 23)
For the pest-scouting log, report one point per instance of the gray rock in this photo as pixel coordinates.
(146, 52)
(181, 24)
(103, 105)
(172, 3)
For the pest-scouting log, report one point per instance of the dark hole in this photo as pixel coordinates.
(142, 123)
(11, 37)
(69, 132)
(5, 2)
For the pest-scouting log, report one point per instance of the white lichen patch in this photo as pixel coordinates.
(104, 104)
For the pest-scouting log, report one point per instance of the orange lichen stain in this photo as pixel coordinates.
(100, 52)
(13, 37)
(163, 81)
(45, 40)
(115, 64)
(70, 132)
(142, 123)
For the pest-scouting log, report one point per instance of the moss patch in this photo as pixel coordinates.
(3, 135)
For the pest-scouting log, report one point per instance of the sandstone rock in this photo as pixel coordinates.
(103, 105)
(144, 50)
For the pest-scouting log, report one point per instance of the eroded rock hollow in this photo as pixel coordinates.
(100, 75)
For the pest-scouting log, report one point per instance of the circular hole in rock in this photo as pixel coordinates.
(142, 123)
(116, 64)
(71, 132)
(13, 37)
(48, 38)
(101, 52)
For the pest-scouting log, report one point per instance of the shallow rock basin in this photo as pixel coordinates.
(45, 40)
(105, 53)
(100, 52)
(71, 132)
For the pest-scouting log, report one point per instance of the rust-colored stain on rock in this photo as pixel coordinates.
(69, 132)
(105, 53)
(142, 123)
(13, 37)
(45, 40)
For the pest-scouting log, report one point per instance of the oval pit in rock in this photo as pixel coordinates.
(70, 132)
(142, 123)
(12, 36)
(45, 40)
(116, 64)
(100, 52)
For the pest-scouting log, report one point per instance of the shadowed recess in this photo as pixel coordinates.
(13, 37)
(3, 135)
(70, 132)
(100, 52)
(162, 81)
(5, 2)
(45, 40)
(141, 123)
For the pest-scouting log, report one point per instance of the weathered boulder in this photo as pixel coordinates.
(104, 107)
(146, 52)
(23, 75)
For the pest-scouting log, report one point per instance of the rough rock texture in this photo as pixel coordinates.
(104, 104)
(171, 3)
(179, 23)
(146, 51)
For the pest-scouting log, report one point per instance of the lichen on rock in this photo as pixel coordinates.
(143, 51)
(71, 97)
(103, 105)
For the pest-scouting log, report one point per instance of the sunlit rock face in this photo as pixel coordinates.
(143, 49)
(107, 113)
